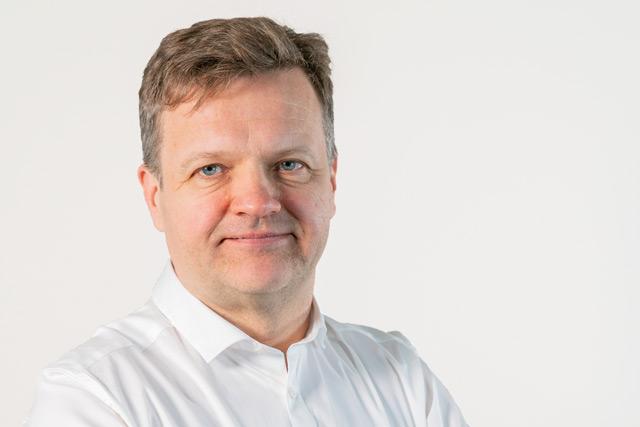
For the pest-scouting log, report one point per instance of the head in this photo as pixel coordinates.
(239, 159)
(196, 63)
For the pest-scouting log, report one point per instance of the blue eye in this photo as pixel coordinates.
(210, 170)
(290, 165)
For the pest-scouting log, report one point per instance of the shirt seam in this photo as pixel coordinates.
(130, 344)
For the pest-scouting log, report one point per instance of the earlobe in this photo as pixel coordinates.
(152, 195)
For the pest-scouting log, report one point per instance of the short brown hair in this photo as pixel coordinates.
(199, 61)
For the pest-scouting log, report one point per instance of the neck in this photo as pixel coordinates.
(278, 329)
(276, 319)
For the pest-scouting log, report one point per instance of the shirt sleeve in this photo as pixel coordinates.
(65, 400)
(442, 410)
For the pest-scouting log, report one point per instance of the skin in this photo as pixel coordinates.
(246, 201)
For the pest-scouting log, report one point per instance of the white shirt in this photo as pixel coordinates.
(175, 362)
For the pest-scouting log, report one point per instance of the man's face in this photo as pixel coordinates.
(247, 192)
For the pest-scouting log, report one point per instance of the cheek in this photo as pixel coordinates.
(312, 208)
(194, 218)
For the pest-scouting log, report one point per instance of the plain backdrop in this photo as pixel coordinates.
(488, 189)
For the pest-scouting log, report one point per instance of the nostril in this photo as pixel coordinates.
(258, 204)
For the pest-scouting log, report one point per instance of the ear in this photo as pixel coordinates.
(333, 171)
(152, 195)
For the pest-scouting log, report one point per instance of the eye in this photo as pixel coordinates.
(211, 170)
(290, 165)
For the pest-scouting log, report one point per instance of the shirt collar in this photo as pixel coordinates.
(317, 328)
(208, 332)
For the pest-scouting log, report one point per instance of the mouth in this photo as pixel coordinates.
(257, 239)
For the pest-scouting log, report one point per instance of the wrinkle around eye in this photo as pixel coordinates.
(300, 175)
(211, 182)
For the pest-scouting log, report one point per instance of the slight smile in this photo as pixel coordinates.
(258, 239)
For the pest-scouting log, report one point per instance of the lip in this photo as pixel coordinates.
(257, 239)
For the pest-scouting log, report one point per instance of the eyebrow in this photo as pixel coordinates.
(199, 156)
(222, 156)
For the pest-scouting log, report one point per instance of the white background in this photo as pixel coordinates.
(488, 189)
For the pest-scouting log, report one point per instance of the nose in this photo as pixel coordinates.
(254, 194)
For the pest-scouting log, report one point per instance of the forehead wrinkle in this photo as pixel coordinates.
(288, 140)
(231, 108)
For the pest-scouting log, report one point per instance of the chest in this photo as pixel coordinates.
(247, 388)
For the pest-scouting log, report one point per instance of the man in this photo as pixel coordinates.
(239, 173)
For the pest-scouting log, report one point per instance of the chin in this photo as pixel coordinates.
(259, 288)
(260, 277)
(263, 283)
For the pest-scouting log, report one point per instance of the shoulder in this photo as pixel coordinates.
(393, 341)
(389, 358)
(367, 346)
(89, 378)
(131, 334)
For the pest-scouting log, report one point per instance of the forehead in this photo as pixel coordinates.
(290, 90)
(269, 107)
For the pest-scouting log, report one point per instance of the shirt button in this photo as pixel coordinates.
(292, 393)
